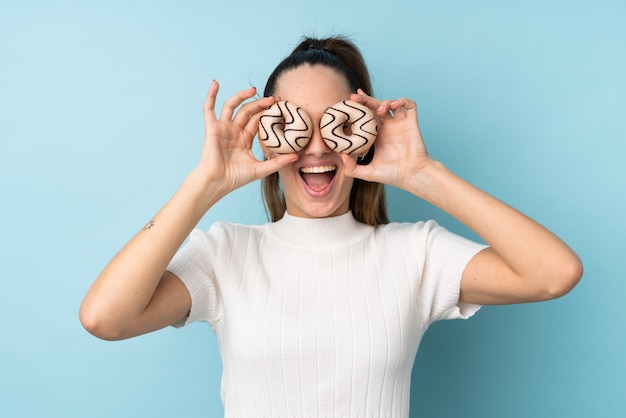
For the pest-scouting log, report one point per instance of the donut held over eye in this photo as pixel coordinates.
(349, 127)
(285, 128)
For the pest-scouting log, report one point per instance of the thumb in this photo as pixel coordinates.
(273, 165)
(352, 169)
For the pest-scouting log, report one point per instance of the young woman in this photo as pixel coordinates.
(320, 312)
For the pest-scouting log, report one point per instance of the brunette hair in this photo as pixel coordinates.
(367, 199)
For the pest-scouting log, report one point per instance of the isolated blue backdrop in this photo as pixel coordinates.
(100, 121)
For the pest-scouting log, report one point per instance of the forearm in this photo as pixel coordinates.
(531, 251)
(133, 294)
(127, 284)
(525, 261)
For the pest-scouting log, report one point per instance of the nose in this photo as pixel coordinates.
(316, 146)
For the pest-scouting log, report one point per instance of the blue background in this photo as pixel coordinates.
(100, 121)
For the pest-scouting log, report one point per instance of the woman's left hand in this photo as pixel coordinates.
(525, 261)
(400, 153)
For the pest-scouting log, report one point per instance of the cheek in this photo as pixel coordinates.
(287, 178)
(347, 186)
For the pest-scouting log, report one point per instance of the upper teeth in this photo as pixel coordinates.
(319, 169)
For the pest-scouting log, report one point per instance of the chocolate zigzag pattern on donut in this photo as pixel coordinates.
(285, 128)
(333, 130)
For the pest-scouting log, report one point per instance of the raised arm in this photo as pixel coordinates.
(524, 262)
(135, 294)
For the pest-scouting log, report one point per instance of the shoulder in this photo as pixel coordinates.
(400, 230)
(233, 228)
(423, 237)
(222, 232)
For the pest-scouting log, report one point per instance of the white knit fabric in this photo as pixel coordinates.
(321, 317)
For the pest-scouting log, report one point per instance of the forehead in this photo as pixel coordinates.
(314, 87)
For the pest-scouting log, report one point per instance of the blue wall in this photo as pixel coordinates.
(100, 120)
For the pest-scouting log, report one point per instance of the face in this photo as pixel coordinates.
(314, 186)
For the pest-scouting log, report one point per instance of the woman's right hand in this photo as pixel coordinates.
(227, 159)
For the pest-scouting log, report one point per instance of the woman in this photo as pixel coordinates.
(320, 312)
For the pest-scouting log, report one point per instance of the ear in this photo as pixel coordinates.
(268, 154)
(367, 158)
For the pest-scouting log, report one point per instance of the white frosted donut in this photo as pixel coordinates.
(284, 128)
(349, 128)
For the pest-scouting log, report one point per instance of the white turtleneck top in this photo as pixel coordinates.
(322, 317)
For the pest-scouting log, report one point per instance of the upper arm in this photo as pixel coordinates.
(170, 304)
(488, 280)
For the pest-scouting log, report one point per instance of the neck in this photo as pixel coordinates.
(320, 233)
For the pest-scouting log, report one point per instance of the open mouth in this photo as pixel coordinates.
(318, 178)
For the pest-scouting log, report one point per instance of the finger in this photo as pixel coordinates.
(249, 120)
(275, 164)
(380, 107)
(231, 104)
(365, 99)
(352, 169)
(382, 111)
(403, 108)
(249, 110)
(411, 109)
(209, 103)
(398, 109)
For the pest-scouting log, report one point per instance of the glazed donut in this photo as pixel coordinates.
(285, 127)
(349, 128)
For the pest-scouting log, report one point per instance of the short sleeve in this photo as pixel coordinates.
(447, 255)
(193, 265)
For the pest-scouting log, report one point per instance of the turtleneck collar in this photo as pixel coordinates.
(320, 233)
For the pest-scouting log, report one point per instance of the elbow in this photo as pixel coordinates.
(566, 278)
(99, 324)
